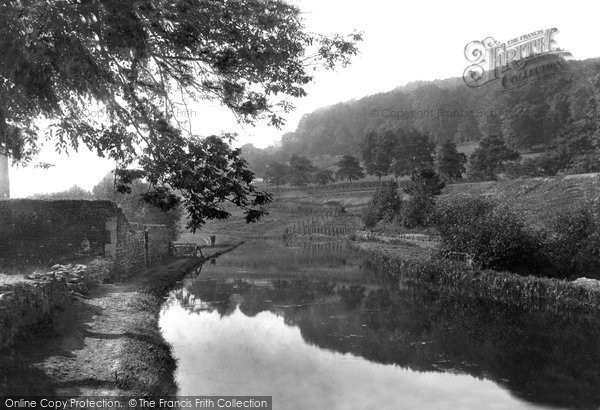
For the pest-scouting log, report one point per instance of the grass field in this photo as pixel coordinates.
(538, 199)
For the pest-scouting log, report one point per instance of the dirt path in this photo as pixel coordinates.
(106, 345)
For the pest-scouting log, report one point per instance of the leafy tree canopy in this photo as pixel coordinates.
(489, 157)
(530, 117)
(349, 168)
(301, 170)
(63, 58)
(378, 152)
(323, 176)
(413, 151)
(277, 173)
(450, 162)
(74, 193)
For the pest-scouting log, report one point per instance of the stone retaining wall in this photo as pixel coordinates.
(38, 232)
(42, 233)
(24, 305)
(139, 246)
(27, 303)
(158, 242)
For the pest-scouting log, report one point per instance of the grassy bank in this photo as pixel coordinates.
(537, 199)
(453, 277)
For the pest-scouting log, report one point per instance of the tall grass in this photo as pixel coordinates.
(454, 277)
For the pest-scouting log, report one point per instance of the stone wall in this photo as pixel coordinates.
(24, 305)
(138, 246)
(35, 232)
(131, 250)
(38, 232)
(158, 243)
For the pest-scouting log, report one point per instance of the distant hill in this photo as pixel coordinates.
(533, 115)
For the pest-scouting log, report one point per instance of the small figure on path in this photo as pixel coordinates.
(213, 238)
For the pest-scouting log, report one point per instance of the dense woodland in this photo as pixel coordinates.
(556, 115)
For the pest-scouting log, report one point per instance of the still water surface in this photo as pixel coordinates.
(316, 327)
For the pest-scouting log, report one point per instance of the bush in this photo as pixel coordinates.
(492, 235)
(386, 203)
(416, 212)
(370, 216)
(572, 247)
(423, 187)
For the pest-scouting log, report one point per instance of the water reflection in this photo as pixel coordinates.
(318, 342)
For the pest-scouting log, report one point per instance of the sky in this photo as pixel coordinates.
(404, 41)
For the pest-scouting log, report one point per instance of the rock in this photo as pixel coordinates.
(590, 284)
(79, 288)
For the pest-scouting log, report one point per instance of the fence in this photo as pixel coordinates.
(312, 189)
(323, 211)
(327, 225)
(185, 249)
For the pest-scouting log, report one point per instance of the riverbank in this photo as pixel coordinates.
(452, 277)
(411, 256)
(107, 344)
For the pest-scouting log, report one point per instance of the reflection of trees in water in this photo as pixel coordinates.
(211, 294)
(253, 299)
(540, 357)
(351, 296)
(286, 294)
(293, 256)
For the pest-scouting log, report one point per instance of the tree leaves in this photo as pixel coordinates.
(349, 168)
(489, 157)
(450, 162)
(61, 58)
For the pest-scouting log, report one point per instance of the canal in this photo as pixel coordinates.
(317, 327)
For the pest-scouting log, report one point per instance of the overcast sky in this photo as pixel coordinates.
(403, 42)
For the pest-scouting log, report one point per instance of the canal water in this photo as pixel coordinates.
(317, 327)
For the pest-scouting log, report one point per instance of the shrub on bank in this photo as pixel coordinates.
(370, 216)
(572, 247)
(489, 234)
(493, 236)
(385, 205)
(415, 212)
(422, 188)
